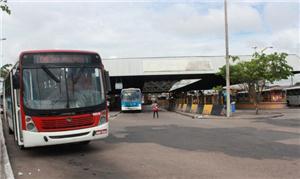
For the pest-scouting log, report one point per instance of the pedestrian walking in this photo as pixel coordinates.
(155, 109)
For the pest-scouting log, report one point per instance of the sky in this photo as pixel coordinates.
(150, 28)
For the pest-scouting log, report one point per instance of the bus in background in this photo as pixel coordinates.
(131, 99)
(56, 97)
(293, 96)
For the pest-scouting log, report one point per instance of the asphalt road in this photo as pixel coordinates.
(172, 146)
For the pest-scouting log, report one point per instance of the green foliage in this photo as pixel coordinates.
(261, 68)
(218, 88)
(4, 70)
(4, 7)
(254, 74)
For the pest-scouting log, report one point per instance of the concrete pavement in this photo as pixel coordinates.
(5, 167)
(173, 146)
(239, 114)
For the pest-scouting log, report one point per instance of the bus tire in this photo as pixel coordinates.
(21, 147)
(10, 132)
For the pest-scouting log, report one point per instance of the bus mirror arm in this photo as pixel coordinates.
(16, 80)
(107, 81)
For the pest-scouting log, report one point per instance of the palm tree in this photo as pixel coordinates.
(4, 70)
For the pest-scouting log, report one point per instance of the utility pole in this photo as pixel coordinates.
(228, 113)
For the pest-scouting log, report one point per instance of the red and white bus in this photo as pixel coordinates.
(56, 97)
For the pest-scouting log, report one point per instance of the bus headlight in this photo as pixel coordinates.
(28, 119)
(102, 120)
(103, 117)
(30, 124)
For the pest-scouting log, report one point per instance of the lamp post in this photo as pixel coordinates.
(265, 49)
(228, 113)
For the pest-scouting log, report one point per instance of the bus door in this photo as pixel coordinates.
(17, 120)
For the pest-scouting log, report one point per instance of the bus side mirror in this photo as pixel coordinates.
(16, 80)
(107, 81)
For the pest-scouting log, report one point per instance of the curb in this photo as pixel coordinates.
(114, 115)
(186, 114)
(5, 166)
(199, 116)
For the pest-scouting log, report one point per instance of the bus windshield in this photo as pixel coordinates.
(131, 95)
(50, 88)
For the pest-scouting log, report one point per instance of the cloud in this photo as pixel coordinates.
(282, 15)
(147, 29)
(187, 21)
(288, 40)
(244, 18)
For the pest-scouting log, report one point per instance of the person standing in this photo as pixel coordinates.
(155, 109)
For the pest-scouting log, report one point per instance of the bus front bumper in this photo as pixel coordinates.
(137, 108)
(33, 139)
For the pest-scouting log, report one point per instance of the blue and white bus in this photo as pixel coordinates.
(131, 99)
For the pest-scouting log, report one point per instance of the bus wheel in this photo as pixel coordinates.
(10, 132)
(21, 147)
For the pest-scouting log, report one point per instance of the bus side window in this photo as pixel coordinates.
(297, 92)
(8, 97)
(26, 77)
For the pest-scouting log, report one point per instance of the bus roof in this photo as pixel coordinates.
(294, 87)
(125, 89)
(54, 51)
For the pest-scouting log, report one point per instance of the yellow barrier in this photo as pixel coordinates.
(207, 109)
(184, 107)
(194, 108)
(179, 107)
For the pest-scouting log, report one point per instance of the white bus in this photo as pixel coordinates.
(293, 96)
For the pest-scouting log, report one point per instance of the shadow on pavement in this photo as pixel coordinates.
(63, 150)
(291, 122)
(239, 142)
(74, 161)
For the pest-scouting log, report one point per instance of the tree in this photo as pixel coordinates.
(4, 7)
(219, 89)
(4, 70)
(255, 73)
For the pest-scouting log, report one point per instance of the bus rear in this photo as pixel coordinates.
(293, 96)
(57, 97)
(131, 99)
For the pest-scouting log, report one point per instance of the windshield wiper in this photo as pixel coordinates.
(49, 73)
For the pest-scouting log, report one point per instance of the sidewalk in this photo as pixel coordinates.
(112, 114)
(5, 167)
(239, 114)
